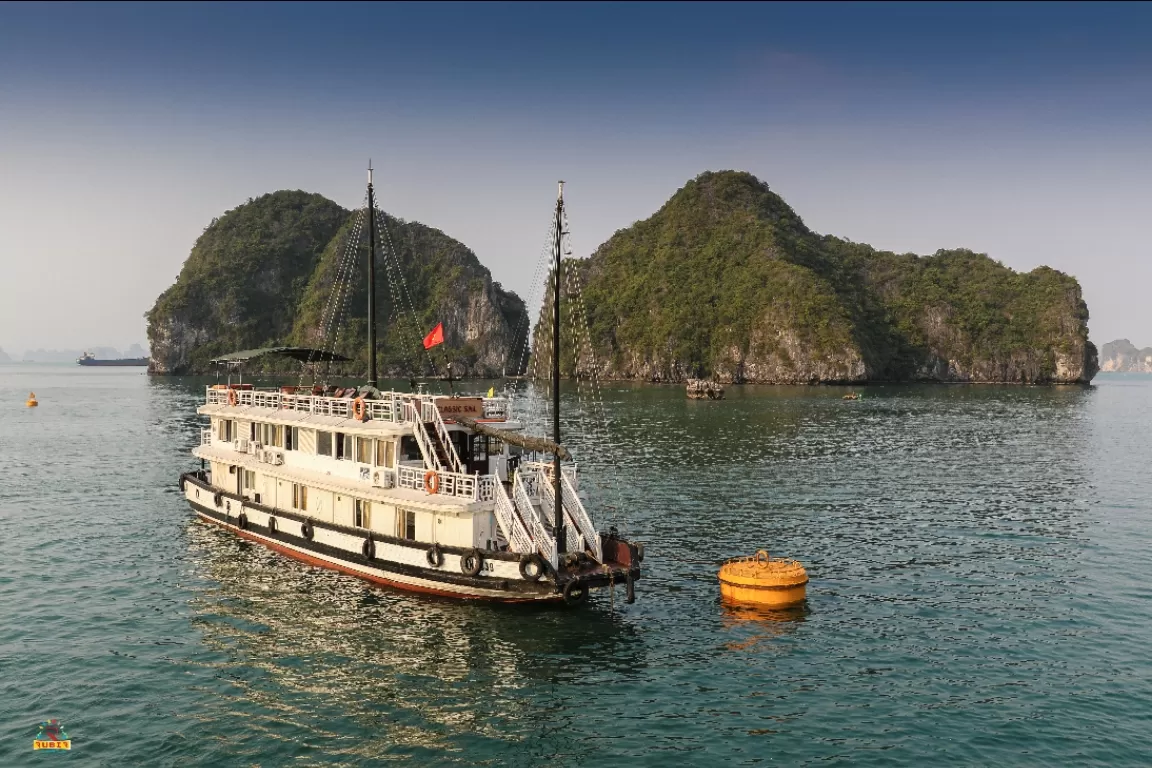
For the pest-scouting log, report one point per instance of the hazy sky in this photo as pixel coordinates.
(1023, 131)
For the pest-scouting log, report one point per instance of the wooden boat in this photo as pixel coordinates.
(427, 493)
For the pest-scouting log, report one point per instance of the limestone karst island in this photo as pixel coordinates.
(724, 281)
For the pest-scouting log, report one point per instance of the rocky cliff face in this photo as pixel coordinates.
(1123, 356)
(264, 274)
(725, 281)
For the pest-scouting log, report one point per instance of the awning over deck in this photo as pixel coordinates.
(303, 354)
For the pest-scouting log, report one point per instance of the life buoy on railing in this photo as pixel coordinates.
(432, 481)
(359, 409)
(435, 556)
(369, 549)
(232, 398)
(531, 567)
(471, 562)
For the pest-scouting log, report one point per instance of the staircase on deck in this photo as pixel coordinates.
(524, 519)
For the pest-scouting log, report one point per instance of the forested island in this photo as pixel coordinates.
(724, 281)
(263, 273)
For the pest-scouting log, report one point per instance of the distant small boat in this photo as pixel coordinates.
(90, 359)
(852, 396)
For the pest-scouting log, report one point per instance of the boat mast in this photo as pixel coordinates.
(561, 533)
(371, 282)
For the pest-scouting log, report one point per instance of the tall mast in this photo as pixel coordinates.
(371, 281)
(561, 533)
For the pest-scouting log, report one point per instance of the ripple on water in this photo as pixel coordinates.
(978, 594)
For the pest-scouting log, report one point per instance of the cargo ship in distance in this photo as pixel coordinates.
(90, 359)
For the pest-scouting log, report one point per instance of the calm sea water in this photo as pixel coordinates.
(980, 594)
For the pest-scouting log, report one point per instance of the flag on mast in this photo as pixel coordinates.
(435, 337)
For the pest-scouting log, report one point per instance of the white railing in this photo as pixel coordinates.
(575, 509)
(451, 483)
(572, 537)
(545, 542)
(445, 439)
(575, 515)
(568, 470)
(510, 524)
(423, 439)
(206, 436)
(487, 486)
(390, 406)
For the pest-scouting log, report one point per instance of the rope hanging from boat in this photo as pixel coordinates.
(337, 300)
(391, 252)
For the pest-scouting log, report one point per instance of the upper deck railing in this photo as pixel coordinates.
(390, 406)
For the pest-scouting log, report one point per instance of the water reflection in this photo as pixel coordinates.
(411, 671)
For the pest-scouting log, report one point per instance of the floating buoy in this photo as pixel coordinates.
(760, 579)
(32, 402)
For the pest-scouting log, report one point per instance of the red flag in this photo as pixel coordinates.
(434, 338)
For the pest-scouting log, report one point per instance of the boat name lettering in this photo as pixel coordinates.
(470, 407)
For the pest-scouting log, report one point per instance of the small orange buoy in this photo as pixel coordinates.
(32, 402)
(760, 579)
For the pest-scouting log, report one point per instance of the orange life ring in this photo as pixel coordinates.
(359, 409)
(432, 481)
(232, 399)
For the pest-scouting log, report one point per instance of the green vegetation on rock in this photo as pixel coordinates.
(262, 274)
(725, 280)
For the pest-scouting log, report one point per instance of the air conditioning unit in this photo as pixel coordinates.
(240, 444)
(257, 446)
(382, 478)
(277, 458)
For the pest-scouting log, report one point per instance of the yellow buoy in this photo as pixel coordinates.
(31, 400)
(760, 579)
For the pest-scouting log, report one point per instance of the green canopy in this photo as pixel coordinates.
(303, 354)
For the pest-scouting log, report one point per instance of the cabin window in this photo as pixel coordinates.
(324, 443)
(405, 524)
(247, 480)
(364, 450)
(300, 496)
(252, 430)
(226, 427)
(385, 453)
(362, 515)
(291, 438)
(409, 449)
(343, 446)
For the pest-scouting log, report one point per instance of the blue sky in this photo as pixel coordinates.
(1019, 130)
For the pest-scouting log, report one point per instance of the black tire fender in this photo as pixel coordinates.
(471, 562)
(242, 522)
(306, 530)
(368, 549)
(575, 592)
(435, 556)
(639, 553)
(534, 562)
(271, 524)
(218, 499)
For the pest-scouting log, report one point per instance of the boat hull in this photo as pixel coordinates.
(396, 563)
(139, 361)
